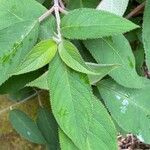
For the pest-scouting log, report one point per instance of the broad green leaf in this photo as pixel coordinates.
(40, 55)
(10, 60)
(19, 25)
(26, 127)
(65, 142)
(73, 4)
(130, 108)
(102, 69)
(71, 56)
(89, 23)
(114, 6)
(116, 50)
(11, 86)
(40, 82)
(79, 114)
(146, 33)
(48, 127)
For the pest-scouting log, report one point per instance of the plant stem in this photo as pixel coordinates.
(17, 104)
(57, 15)
(39, 97)
(61, 4)
(135, 11)
(45, 15)
(63, 10)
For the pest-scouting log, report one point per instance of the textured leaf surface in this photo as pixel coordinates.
(71, 56)
(25, 126)
(117, 7)
(48, 127)
(10, 60)
(83, 119)
(38, 57)
(40, 82)
(90, 23)
(19, 25)
(130, 108)
(146, 33)
(102, 69)
(65, 142)
(116, 50)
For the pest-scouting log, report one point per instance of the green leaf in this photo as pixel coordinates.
(146, 33)
(114, 6)
(11, 86)
(130, 108)
(89, 23)
(102, 69)
(10, 60)
(79, 114)
(48, 128)
(40, 82)
(26, 127)
(71, 56)
(73, 4)
(65, 142)
(116, 50)
(38, 57)
(19, 25)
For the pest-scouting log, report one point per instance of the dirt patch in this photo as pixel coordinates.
(130, 142)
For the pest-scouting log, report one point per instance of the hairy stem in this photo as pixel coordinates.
(45, 15)
(61, 4)
(57, 15)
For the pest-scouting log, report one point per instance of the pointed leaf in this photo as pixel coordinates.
(82, 117)
(89, 23)
(71, 56)
(26, 127)
(40, 82)
(130, 108)
(65, 142)
(19, 25)
(146, 33)
(102, 69)
(10, 60)
(48, 127)
(39, 56)
(116, 50)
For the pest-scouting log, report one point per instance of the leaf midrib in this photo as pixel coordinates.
(133, 103)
